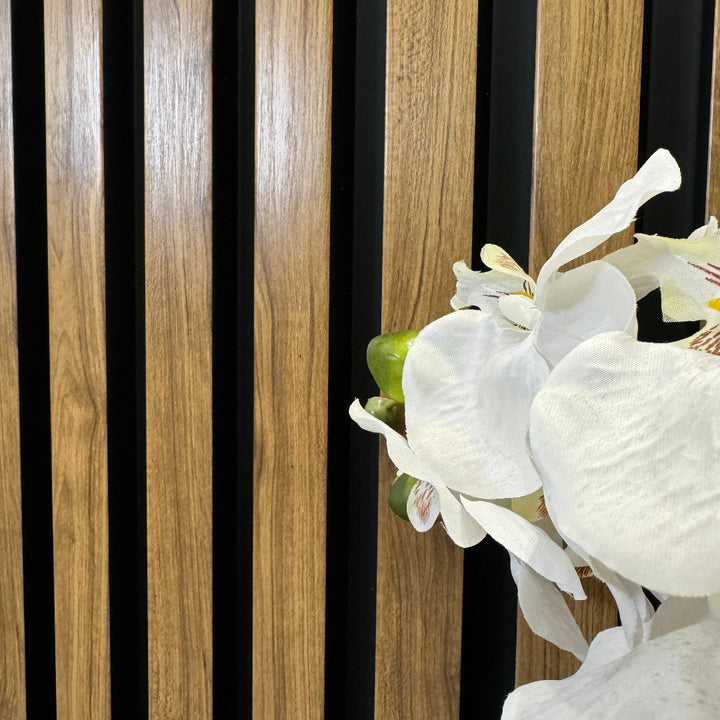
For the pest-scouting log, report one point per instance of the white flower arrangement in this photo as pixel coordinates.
(533, 414)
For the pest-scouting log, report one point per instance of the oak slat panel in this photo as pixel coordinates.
(430, 121)
(12, 629)
(178, 288)
(587, 103)
(76, 276)
(713, 179)
(293, 71)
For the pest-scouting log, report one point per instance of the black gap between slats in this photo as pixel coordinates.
(124, 251)
(355, 303)
(34, 359)
(503, 163)
(232, 143)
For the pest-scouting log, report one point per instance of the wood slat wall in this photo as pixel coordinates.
(292, 236)
(178, 293)
(429, 131)
(587, 107)
(12, 627)
(588, 72)
(76, 277)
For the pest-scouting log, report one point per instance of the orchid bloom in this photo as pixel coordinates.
(671, 675)
(626, 437)
(470, 379)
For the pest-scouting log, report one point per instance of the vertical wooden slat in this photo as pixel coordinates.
(75, 205)
(177, 37)
(293, 69)
(587, 99)
(12, 632)
(430, 103)
(713, 176)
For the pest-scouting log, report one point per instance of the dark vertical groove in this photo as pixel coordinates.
(122, 100)
(340, 335)
(34, 357)
(511, 124)
(226, 653)
(482, 129)
(675, 103)
(245, 358)
(489, 596)
(356, 475)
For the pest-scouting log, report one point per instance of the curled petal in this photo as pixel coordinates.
(423, 506)
(469, 382)
(527, 543)
(659, 174)
(673, 676)
(626, 438)
(546, 611)
(589, 300)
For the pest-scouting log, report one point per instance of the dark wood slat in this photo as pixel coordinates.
(293, 71)
(587, 103)
(430, 120)
(76, 276)
(178, 272)
(12, 629)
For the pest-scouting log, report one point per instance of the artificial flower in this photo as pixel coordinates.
(626, 438)
(673, 674)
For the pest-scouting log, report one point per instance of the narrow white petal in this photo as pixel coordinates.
(423, 506)
(626, 438)
(581, 303)
(482, 289)
(462, 528)
(528, 543)
(469, 381)
(659, 174)
(671, 677)
(675, 613)
(546, 611)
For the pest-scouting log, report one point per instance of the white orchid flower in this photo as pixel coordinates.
(671, 675)
(687, 271)
(470, 379)
(626, 438)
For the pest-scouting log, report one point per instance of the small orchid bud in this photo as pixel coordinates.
(386, 357)
(399, 493)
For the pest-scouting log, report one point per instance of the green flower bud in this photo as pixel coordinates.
(385, 409)
(399, 492)
(386, 357)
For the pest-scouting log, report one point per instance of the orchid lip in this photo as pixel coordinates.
(520, 310)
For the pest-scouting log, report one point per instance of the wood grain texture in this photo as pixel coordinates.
(293, 73)
(76, 276)
(587, 100)
(713, 176)
(178, 291)
(587, 108)
(430, 121)
(12, 629)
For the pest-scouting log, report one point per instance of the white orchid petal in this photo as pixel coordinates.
(423, 506)
(659, 174)
(675, 613)
(546, 611)
(528, 543)
(581, 303)
(469, 381)
(482, 289)
(626, 438)
(400, 453)
(671, 677)
(459, 524)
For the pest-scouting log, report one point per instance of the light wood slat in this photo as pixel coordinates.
(178, 272)
(587, 100)
(75, 203)
(713, 180)
(430, 120)
(12, 629)
(293, 71)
